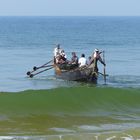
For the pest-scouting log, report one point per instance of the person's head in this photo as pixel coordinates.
(73, 54)
(82, 55)
(96, 50)
(58, 46)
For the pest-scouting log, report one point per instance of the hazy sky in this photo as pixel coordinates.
(70, 7)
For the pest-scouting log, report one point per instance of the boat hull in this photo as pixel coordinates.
(79, 74)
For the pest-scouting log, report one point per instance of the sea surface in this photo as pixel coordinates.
(47, 108)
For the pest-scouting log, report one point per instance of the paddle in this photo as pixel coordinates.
(32, 75)
(36, 68)
(104, 70)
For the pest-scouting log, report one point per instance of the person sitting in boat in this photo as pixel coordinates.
(59, 59)
(94, 59)
(82, 61)
(89, 59)
(73, 63)
(63, 55)
(74, 59)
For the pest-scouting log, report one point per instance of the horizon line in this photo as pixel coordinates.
(69, 15)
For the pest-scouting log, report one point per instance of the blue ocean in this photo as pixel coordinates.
(47, 108)
(29, 41)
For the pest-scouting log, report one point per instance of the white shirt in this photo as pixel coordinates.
(82, 61)
(56, 51)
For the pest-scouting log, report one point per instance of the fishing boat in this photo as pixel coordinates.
(71, 72)
(82, 74)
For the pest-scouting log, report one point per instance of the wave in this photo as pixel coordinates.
(77, 109)
(76, 100)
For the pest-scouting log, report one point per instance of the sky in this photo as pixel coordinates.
(69, 7)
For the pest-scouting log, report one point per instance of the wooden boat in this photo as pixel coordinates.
(83, 74)
(74, 73)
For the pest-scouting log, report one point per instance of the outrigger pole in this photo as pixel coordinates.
(46, 65)
(104, 70)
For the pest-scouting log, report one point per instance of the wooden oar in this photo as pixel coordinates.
(32, 75)
(36, 68)
(43, 66)
(104, 70)
(46, 63)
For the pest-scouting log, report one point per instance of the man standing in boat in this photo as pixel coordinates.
(94, 59)
(57, 52)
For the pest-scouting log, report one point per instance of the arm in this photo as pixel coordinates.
(100, 59)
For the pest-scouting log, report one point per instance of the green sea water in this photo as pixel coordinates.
(77, 113)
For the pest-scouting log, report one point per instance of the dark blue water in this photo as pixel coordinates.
(29, 41)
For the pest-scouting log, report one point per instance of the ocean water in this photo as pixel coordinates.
(47, 108)
(29, 41)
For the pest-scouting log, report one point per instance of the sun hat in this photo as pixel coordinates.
(96, 50)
